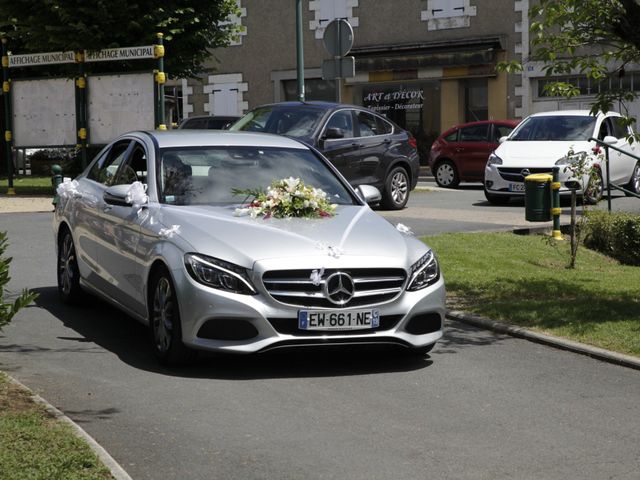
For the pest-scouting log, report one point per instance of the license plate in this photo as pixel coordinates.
(338, 320)
(516, 187)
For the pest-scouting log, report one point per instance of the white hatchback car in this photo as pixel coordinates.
(543, 140)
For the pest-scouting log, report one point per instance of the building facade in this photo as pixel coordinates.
(425, 64)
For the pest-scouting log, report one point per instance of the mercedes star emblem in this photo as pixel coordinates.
(339, 288)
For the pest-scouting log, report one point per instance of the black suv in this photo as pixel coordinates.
(364, 146)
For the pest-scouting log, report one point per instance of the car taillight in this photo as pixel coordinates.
(413, 142)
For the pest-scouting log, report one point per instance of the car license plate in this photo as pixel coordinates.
(516, 187)
(338, 320)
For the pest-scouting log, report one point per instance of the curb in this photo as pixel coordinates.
(114, 467)
(544, 339)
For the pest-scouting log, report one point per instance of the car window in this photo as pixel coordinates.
(342, 120)
(384, 127)
(295, 121)
(215, 175)
(475, 133)
(452, 137)
(555, 128)
(195, 123)
(619, 128)
(135, 167)
(500, 131)
(106, 166)
(605, 129)
(367, 124)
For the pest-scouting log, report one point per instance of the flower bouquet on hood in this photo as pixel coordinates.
(286, 198)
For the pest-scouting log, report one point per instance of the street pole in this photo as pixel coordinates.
(6, 90)
(299, 50)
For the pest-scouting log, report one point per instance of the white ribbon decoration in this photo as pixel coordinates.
(404, 229)
(68, 188)
(137, 195)
(169, 232)
(316, 276)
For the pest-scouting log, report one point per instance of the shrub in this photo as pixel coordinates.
(614, 234)
(8, 310)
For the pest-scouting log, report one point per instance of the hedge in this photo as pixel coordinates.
(614, 234)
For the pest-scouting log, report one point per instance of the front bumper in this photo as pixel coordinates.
(214, 320)
(509, 181)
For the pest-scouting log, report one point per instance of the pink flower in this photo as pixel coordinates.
(597, 150)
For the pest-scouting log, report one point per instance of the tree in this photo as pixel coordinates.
(595, 38)
(190, 27)
(8, 310)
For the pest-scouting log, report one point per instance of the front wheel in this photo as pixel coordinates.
(595, 188)
(446, 174)
(67, 270)
(396, 191)
(164, 322)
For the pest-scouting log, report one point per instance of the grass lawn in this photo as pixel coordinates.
(28, 185)
(35, 446)
(523, 280)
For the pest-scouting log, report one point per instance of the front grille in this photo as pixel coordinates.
(511, 174)
(372, 286)
(289, 326)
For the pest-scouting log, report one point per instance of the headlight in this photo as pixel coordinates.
(572, 158)
(219, 274)
(494, 160)
(424, 272)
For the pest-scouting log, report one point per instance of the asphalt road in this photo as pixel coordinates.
(433, 210)
(481, 406)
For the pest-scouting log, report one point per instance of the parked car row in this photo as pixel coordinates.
(500, 154)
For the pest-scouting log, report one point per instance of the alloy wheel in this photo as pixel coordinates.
(162, 314)
(399, 187)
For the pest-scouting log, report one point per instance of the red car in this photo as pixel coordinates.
(460, 154)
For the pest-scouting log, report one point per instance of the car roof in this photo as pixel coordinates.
(189, 138)
(570, 113)
(313, 103)
(512, 122)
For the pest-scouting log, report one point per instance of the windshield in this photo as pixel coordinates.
(211, 175)
(561, 128)
(297, 121)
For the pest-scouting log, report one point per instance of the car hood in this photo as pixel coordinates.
(537, 154)
(354, 231)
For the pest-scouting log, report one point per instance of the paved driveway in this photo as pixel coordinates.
(482, 406)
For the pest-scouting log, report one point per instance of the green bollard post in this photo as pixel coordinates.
(56, 180)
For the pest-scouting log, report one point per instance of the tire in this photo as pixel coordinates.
(595, 188)
(446, 174)
(396, 190)
(165, 326)
(497, 199)
(68, 272)
(634, 182)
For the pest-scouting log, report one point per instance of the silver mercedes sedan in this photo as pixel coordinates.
(242, 242)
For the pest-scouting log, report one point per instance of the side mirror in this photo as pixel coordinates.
(610, 140)
(333, 133)
(117, 195)
(502, 139)
(369, 194)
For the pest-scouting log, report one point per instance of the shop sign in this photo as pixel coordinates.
(386, 100)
